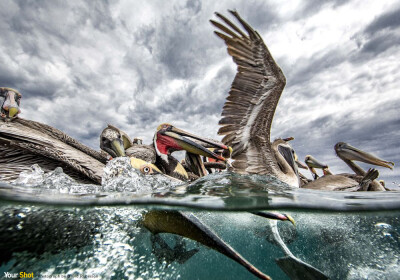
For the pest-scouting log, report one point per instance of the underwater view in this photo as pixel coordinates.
(52, 226)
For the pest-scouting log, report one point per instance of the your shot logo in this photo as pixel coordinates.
(8, 275)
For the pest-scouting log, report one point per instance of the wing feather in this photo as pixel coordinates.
(21, 139)
(250, 106)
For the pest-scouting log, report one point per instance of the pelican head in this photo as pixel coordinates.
(312, 162)
(299, 163)
(114, 141)
(146, 168)
(350, 153)
(10, 100)
(168, 139)
(285, 157)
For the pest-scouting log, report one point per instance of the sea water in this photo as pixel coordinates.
(54, 228)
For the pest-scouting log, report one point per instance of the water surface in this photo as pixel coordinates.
(52, 226)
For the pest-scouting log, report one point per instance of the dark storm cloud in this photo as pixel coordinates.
(388, 20)
(311, 7)
(381, 43)
(380, 35)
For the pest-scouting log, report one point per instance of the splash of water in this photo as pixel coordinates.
(118, 176)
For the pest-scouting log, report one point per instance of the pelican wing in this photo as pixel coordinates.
(249, 109)
(24, 142)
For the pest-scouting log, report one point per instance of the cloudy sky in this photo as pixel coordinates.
(137, 64)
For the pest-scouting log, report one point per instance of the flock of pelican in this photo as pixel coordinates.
(246, 147)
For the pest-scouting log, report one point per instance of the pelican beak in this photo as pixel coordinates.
(195, 164)
(275, 216)
(118, 147)
(147, 168)
(13, 112)
(287, 152)
(313, 163)
(11, 103)
(186, 144)
(346, 151)
(201, 139)
(299, 163)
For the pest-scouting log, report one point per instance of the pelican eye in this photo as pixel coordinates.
(146, 170)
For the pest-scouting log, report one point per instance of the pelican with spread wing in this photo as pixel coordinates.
(249, 109)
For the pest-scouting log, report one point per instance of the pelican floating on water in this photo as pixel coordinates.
(345, 180)
(349, 154)
(249, 109)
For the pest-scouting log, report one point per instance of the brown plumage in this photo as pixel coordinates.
(24, 143)
(249, 109)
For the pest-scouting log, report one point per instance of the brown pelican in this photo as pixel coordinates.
(248, 112)
(313, 163)
(9, 103)
(342, 181)
(24, 143)
(349, 154)
(167, 139)
(117, 143)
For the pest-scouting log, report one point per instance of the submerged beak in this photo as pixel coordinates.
(275, 216)
(313, 163)
(346, 151)
(118, 147)
(191, 146)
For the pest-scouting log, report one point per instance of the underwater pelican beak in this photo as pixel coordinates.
(118, 147)
(275, 216)
(313, 163)
(191, 146)
(346, 151)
